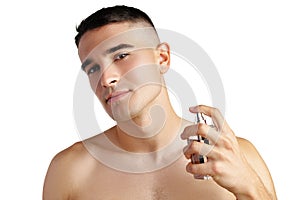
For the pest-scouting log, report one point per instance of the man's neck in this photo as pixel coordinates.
(156, 127)
(162, 137)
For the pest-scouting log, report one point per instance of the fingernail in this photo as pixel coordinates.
(193, 108)
(188, 168)
(181, 136)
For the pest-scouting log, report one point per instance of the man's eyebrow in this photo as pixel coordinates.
(86, 63)
(118, 47)
(108, 51)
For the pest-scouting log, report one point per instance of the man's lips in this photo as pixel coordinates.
(115, 96)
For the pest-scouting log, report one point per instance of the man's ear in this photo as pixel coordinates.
(163, 50)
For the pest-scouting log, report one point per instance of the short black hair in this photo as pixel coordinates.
(115, 14)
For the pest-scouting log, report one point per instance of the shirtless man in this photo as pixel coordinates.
(145, 155)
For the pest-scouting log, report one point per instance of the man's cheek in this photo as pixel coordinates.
(143, 74)
(94, 83)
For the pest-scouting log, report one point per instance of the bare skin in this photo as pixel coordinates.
(237, 170)
(75, 174)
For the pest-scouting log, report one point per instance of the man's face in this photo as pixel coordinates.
(123, 67)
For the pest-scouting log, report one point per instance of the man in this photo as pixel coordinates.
(141, 157)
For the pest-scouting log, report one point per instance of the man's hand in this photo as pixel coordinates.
(226, 163)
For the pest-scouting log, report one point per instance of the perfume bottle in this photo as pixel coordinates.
(196, 158)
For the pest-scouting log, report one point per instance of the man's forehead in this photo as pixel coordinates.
(144, 37)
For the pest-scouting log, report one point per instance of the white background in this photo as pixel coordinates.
(255, 46)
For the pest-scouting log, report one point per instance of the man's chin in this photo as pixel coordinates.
(120, 115)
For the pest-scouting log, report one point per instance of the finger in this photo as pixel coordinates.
(198, 148)
(199, 169)
(190, 131)
(203, 130)
(212, 112)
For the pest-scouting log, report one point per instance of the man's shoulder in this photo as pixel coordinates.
(248, 149)
(75, 149)
(74, 160)
(70, 155)
(78, 149)
(244, 143)
(61, 172)
(68, 170)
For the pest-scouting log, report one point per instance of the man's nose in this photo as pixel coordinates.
(110, 77)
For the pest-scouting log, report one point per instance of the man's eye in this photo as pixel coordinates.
(121, 56)
(93, 69)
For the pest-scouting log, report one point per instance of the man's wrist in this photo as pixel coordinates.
(249, 194)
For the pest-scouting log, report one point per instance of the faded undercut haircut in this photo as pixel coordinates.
(111, 15)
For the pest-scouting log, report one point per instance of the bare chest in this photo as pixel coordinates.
(169, 183)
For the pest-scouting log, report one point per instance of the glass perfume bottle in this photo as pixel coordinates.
(196, 158)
